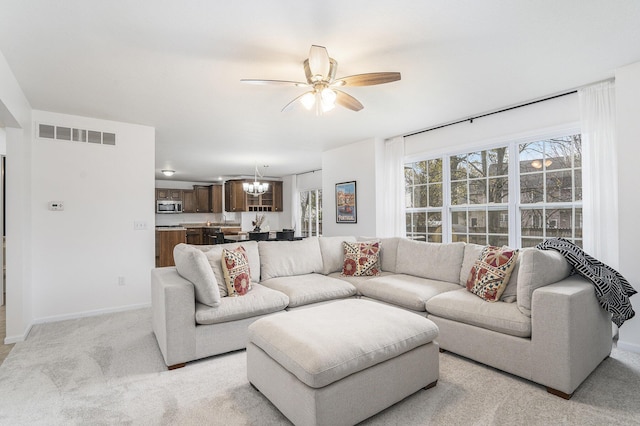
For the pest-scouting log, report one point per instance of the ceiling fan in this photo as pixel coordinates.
(320, 71)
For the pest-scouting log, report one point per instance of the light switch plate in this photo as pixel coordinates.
(139, 225)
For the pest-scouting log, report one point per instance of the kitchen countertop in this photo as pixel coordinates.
(170, 228)
(211, 225)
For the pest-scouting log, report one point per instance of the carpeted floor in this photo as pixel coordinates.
(108, 370)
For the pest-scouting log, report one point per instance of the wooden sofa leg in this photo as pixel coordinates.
(559, 393)
(175, 366)
(430, 385)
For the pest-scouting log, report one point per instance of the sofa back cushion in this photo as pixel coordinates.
(333, 253)
(214, 256)
(538, 268)
(287, 258)
(472, 253)
(388, 252)
(435, 261)
(192, 265)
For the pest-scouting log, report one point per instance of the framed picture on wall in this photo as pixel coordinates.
(346, 202)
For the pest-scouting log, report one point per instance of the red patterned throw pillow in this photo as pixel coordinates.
(490, 274)
(237, 275)
(361, 259)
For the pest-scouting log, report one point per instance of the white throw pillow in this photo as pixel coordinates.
(192, 264)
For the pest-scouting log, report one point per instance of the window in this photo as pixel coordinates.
(551, 190)
(517, 194)
(480, 196)
(311, 213)
(423, 189)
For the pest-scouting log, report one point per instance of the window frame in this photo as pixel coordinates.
(514, 207)
(317, 231)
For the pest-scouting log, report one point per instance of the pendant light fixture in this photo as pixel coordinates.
(256, 188)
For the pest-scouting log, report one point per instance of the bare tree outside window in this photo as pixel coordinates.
(549, 202)
(311, 213)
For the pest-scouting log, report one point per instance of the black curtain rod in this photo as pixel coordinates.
(470, 119)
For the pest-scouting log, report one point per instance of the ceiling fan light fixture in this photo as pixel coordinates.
(308, 100)
(328, 97)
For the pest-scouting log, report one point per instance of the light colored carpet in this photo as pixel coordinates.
(108, 370)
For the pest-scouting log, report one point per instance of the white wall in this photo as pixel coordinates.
(79, 254)
(15, 113)
(355, 162)
(3, 141)
(628, 136)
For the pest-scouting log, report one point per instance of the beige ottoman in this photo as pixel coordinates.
(341, 362)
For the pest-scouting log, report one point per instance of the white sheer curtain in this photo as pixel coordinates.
(295, 205)
(600, 171)
(393, 189)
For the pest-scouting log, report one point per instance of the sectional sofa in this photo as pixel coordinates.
(547, 326)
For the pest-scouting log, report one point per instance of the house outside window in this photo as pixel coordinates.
(516, 194)
(424, 202)
(311, 213)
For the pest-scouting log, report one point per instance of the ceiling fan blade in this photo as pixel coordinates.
(290, 105)
(348, 101)
(319, 62)
(368, 79)
(278, 82)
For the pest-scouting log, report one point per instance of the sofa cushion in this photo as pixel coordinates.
(305, 342)
(436, 261)
(472, 253)
(361, 259)
(538, 268)
(214, 255)
(356, 281)
(287, 258)
(310, 288)
(333, 253)
(192, 265)
(259, 301)
(404, 290)
(465, 307)
(490, 273)
(237, 275)
(388, 252)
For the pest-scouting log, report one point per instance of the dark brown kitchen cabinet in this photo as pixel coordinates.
(194, 236)
(216, 198)
(235, 199)
(188, 201)
(168, 194)
(278, 204)
(203, 198)
(165, 242)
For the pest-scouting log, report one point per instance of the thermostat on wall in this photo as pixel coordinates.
(56, 205)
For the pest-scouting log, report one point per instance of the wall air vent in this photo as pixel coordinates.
(62, 133)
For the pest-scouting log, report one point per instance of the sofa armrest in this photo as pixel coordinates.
(173, 310)
(570, 334)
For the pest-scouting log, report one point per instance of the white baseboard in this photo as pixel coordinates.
(54, 318)
(19, 338)
(84, 314)
(626, 346)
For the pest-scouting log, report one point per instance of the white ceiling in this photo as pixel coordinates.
(177, 65)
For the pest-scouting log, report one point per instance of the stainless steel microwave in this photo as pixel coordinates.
(168, 206)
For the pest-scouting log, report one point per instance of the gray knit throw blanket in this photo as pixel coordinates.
(612, 289)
